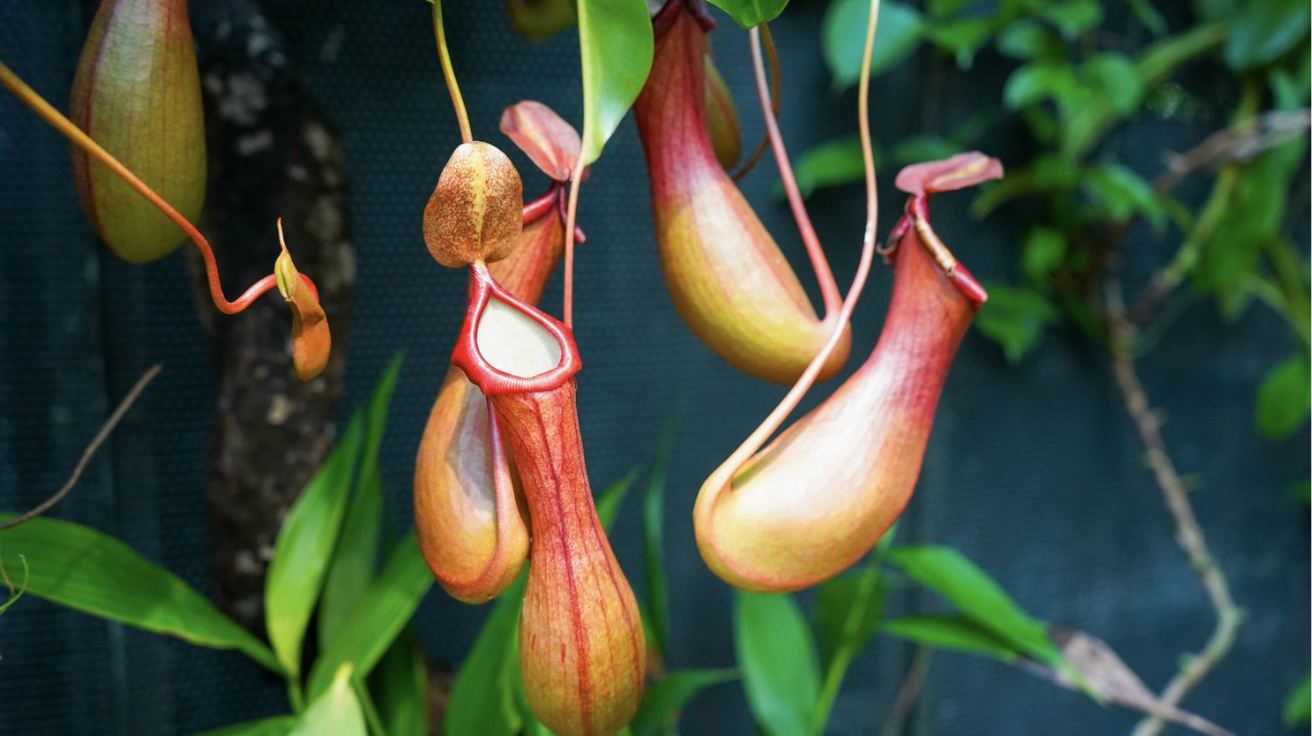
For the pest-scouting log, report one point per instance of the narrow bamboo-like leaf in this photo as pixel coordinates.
(483, 699)
(355, 557)
(336, 712)
(750, 13)
(841, 598)
(303, 549)
(400, 687)
(83, 569)
(956, 633)
(663, 701)
(616, 45)
(275, 726)
(612, 496)
(980, 599)
(378, 617)
(780, 669)
(658, 602)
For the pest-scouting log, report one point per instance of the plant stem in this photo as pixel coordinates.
(295, 695)
(56, 119)
(1121, 335)
(828, 287)
(761, 147)
(775, 419)
(571, 216)
(909, 692)
(449, 73)
(89, 452)
(848, 646)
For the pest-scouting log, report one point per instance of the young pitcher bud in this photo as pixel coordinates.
(475, 211)
(722, 117)
(311, 339)
(137, 93)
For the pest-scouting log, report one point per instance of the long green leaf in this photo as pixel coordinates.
(750, 13)
(781, 671)
(615, 43)
(303, 549)
(611, 498)
(663, 701)
(952, 575)
(81, 568)
(483, 701)
(658, 601)
(378, 617)
(275, 726)
(336, 712)
(957, 633)
(356, 554)
(400, 687)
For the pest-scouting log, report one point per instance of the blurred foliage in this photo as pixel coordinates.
(1074, 78)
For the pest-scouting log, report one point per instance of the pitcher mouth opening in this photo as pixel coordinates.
(507, 346)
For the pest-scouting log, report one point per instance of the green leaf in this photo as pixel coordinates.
(1115, 79)
(1014, 318)
(1044, 252)
(658, 601)
(781, 672)
(1302, 490)
(612, 496)
(957, 633)
(962, 38)
(615, 43)
(844, 38)
(1073, 17)
(1122, 194)
(980, 599)
(400, 687)
(334, 713)
(1284, 398)
(663, 701)
(1298, 704)
(1028, 39)
(378, 617)
(483, 701)
(1263, 31)
(838, 600)
(276, 726)
(92, 572)
(1038, 81)
(304, 547)
(830, 164)
(750, 13)
(356, 555)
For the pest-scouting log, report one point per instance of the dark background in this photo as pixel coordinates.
(1033, 471)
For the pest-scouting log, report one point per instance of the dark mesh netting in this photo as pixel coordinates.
(1033, 471)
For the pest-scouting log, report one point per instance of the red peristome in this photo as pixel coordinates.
(490, 380)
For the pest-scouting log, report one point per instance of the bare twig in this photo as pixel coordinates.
(1121, 336)
(909, 692)
(90, 451)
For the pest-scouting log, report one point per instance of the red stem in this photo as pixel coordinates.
(828, 287)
